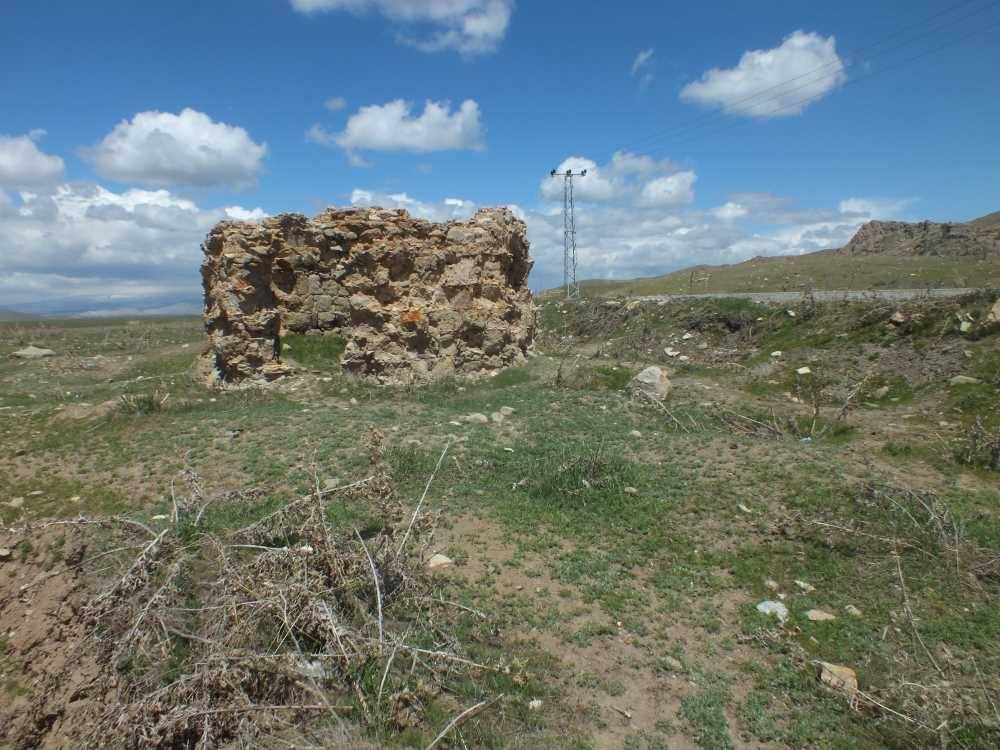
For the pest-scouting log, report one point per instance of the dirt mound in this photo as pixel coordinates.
(51, 671)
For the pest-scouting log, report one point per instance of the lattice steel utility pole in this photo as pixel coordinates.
(569, 233)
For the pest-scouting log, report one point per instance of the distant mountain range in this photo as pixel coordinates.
(89, 307)
(10, 316)
(881, 255)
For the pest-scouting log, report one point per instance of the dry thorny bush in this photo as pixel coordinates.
(223, 638)
(929, 691)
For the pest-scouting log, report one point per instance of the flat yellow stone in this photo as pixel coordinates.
(839, 678)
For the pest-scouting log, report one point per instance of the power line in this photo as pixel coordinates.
(711, 118)
(853, 81)
(570, 287)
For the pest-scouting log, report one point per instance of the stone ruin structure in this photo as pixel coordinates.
(414, 300)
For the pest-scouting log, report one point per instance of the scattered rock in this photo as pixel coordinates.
(964, 380)
(439, 561)
(33, 352)
(881, 392)
(671, 352)
(993, 317)
(687, 336)
(852, 610)
(897, 318)
(5, 553)
(839, 678)
(535, 704)
(703, 345)
(653, 383)
(803, 371)
(477, 418)
(16, 503)
(635, 434)
(776, 353)
(777, 609)
(818, 615)
(673, 663)
(807, 588)
(631, 490)
(684, 358)
(771, 584)
(496, 417)
(506, 410)
(791, 313)
(744, 508)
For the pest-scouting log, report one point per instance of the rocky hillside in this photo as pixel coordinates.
(975, 239)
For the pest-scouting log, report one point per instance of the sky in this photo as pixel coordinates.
(712, 133)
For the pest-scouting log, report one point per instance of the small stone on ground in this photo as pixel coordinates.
(818, 615)
(770, 607)
(439, 561)
(837, 677)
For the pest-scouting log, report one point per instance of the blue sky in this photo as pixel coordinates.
(127, 129)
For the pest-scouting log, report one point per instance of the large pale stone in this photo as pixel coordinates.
(652, 382)
(33, 352)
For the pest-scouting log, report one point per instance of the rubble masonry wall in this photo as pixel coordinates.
(413, 299)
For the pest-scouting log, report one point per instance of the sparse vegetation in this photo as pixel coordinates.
(608, 551)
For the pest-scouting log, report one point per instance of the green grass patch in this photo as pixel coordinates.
(704, 713)
(315, 351)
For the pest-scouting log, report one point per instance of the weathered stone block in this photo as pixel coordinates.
(414, 300)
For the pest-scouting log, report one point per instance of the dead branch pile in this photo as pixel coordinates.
(224, 638)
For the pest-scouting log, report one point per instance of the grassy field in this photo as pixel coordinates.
(610, 552)
(822, 270)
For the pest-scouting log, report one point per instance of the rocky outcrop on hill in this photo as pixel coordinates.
(924, 238)
(413, 299)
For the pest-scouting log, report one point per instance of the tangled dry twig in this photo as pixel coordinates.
(224, 637)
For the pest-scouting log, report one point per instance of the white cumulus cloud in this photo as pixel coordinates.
(190, 148)
(775, 82)
(83, 239)
(874, 208)
(335, 103)
(24, 165)
(470, 27)
(449, 208)
(618, 179)
(669, 191)
(393, 127)
(642, 222)
(730, 211)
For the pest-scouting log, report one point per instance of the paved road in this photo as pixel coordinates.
(820, 296)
